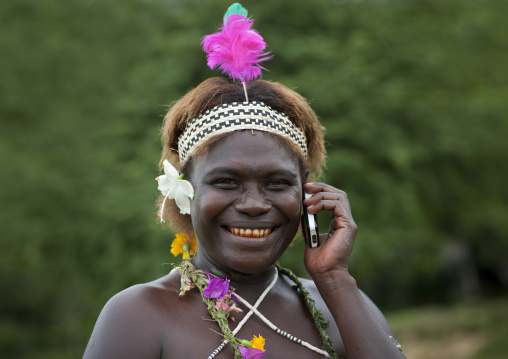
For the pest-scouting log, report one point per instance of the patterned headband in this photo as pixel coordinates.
(237, 116)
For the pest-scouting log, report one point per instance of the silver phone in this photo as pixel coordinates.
(310, 225)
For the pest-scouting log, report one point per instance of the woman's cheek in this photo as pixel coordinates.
(292, 204)
(210, 203)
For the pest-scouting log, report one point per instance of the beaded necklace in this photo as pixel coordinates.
(247, 316)
(187, 270)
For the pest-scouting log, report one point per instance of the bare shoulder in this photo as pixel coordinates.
(146, 296)
(130, 323)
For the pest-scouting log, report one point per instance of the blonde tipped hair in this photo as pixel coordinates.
(217, 90)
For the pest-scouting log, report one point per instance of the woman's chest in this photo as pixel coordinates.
(288, 332)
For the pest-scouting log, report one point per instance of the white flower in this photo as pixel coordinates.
(173, 186)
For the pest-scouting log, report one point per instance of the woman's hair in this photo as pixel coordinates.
(216, 91)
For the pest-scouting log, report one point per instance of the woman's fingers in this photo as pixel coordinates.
(320, 202)
(322, 191)
(328, 198)
(336, 207)
(315, 187)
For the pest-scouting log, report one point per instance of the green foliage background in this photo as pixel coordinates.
(413, 95)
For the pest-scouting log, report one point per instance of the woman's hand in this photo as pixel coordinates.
(364, 330)
(335, 246)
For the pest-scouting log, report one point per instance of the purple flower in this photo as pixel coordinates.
(250, 353)
(217, 287)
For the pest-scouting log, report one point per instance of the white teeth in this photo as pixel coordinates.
(247, 232)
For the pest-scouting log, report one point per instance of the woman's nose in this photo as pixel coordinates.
(252, 202)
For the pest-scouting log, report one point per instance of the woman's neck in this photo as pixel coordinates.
(238, 279)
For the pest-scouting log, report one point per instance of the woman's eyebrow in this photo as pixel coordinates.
(221, 171)
(282, 172)
(233, 172)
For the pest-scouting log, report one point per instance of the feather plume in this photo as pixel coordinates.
(236, 49)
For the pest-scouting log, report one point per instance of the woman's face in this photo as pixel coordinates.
(247, 201)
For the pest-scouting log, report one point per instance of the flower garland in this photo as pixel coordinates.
(220, 301)
(217, 296)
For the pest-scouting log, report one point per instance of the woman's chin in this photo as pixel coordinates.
(254, 255)
(245, 254)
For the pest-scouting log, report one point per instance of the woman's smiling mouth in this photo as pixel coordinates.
(250, 232)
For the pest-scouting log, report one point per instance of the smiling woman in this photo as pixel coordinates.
(245, 184)
(217, 92)
(247, 154)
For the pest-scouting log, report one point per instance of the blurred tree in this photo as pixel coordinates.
(413, 98)
(412, 93)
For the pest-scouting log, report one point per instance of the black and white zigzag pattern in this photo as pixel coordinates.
(238, 116)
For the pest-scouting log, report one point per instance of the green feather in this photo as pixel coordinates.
(235, 9)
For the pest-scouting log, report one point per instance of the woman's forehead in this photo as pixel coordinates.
(250, 150)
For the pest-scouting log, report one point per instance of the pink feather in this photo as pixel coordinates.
(237, 49)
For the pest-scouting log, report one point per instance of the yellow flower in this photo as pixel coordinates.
(258, 342)
(184, 244)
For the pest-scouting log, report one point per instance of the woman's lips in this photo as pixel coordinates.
(250, 232)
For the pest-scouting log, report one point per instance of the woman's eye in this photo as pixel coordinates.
(226, 183)
(277, 185)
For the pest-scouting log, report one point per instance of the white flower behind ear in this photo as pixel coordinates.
(173, 186)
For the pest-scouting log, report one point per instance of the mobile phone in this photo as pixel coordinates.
(309, 225)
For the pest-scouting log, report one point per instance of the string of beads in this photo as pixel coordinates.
(281, 332)
(247, 316)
